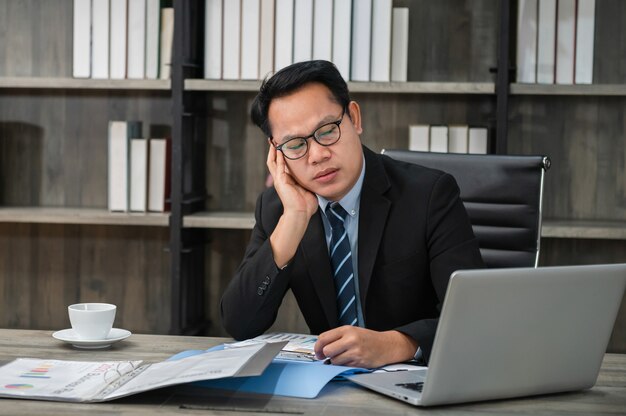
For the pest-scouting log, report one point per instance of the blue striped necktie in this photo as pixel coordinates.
(341, 260)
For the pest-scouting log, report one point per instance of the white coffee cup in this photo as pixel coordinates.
(92, 321)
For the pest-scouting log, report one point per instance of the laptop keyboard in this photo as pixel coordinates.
(412, 386)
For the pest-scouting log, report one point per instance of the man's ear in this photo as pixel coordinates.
(354, 112)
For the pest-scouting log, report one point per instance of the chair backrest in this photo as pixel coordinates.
(502, 195)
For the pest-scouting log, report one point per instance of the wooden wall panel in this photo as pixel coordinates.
(45, 268)
(43, 46)
(452, 40)
(609, 60)
(21, 159)
(53, 144)
(223, 256)
(584, 137)
(236, 152)
(386, 118)
(558, 252)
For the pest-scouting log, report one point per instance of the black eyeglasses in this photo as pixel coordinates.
(325, 135)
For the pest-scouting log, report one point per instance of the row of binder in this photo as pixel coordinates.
(120, 39)
(368, 40)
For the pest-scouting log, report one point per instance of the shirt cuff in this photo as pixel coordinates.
(419, 357)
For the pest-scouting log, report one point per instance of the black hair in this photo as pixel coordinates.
(292, 78)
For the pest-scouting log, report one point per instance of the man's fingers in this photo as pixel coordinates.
(271, 157)
(331, 344)
(280, 162)
(324, 339)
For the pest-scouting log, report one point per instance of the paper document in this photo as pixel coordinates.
(391, 368)
(77, 381)
(299, 346)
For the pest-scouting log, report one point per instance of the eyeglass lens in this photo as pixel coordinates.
(325, 135)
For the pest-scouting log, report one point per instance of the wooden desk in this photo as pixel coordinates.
(607, 397)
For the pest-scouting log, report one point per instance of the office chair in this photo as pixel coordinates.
(502, 195)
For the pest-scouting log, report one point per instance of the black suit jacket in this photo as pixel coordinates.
(413, 233)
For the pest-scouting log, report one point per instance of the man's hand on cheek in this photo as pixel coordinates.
(294, 197)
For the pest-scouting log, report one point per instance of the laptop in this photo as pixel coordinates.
(514, 332)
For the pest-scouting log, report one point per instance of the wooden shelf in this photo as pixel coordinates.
(225, 220)
(92, 216)
(550, 229)
(554, 89)
(606, 230)
(424, 87)
(221, 85)
(357, 87)
(89, 84)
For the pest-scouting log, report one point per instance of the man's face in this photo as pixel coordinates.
(329, 171)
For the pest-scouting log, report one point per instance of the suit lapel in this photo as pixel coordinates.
(315, 252)
(374, 208)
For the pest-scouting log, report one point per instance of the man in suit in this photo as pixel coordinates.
(369, 274)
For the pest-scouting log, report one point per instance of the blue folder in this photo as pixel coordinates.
(282, 377)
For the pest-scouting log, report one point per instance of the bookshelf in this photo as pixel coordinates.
(166, 272)
(59, 243)
(581, 127)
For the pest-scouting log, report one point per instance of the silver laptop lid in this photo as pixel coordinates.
(518, 332)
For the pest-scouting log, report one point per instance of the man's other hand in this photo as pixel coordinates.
(359, 347)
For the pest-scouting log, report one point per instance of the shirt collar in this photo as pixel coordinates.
(350, 202)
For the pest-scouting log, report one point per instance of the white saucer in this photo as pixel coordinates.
(69, 336)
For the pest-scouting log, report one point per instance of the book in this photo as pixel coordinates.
(231, 52)
(250, 29)
(438, 139)
(283, 40)
(100, 39)
(342, 30)
(136, 58)
(81, 37)
(120, 134)
(153, 29)
(93, 381)
(159, 178)
(565, 41)
(213, 39)
(323, 30)
(585, 29)
(419, 138)
(478, 140)
(381, 41)
(457, 139)
(266, 53)
(361, 40)
(303, 30)
(167, 41)
(546, 41)
(527, 41)
(139, 174)
(400, 44)
(117, 40)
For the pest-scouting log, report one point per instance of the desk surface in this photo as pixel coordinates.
(607, 397)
